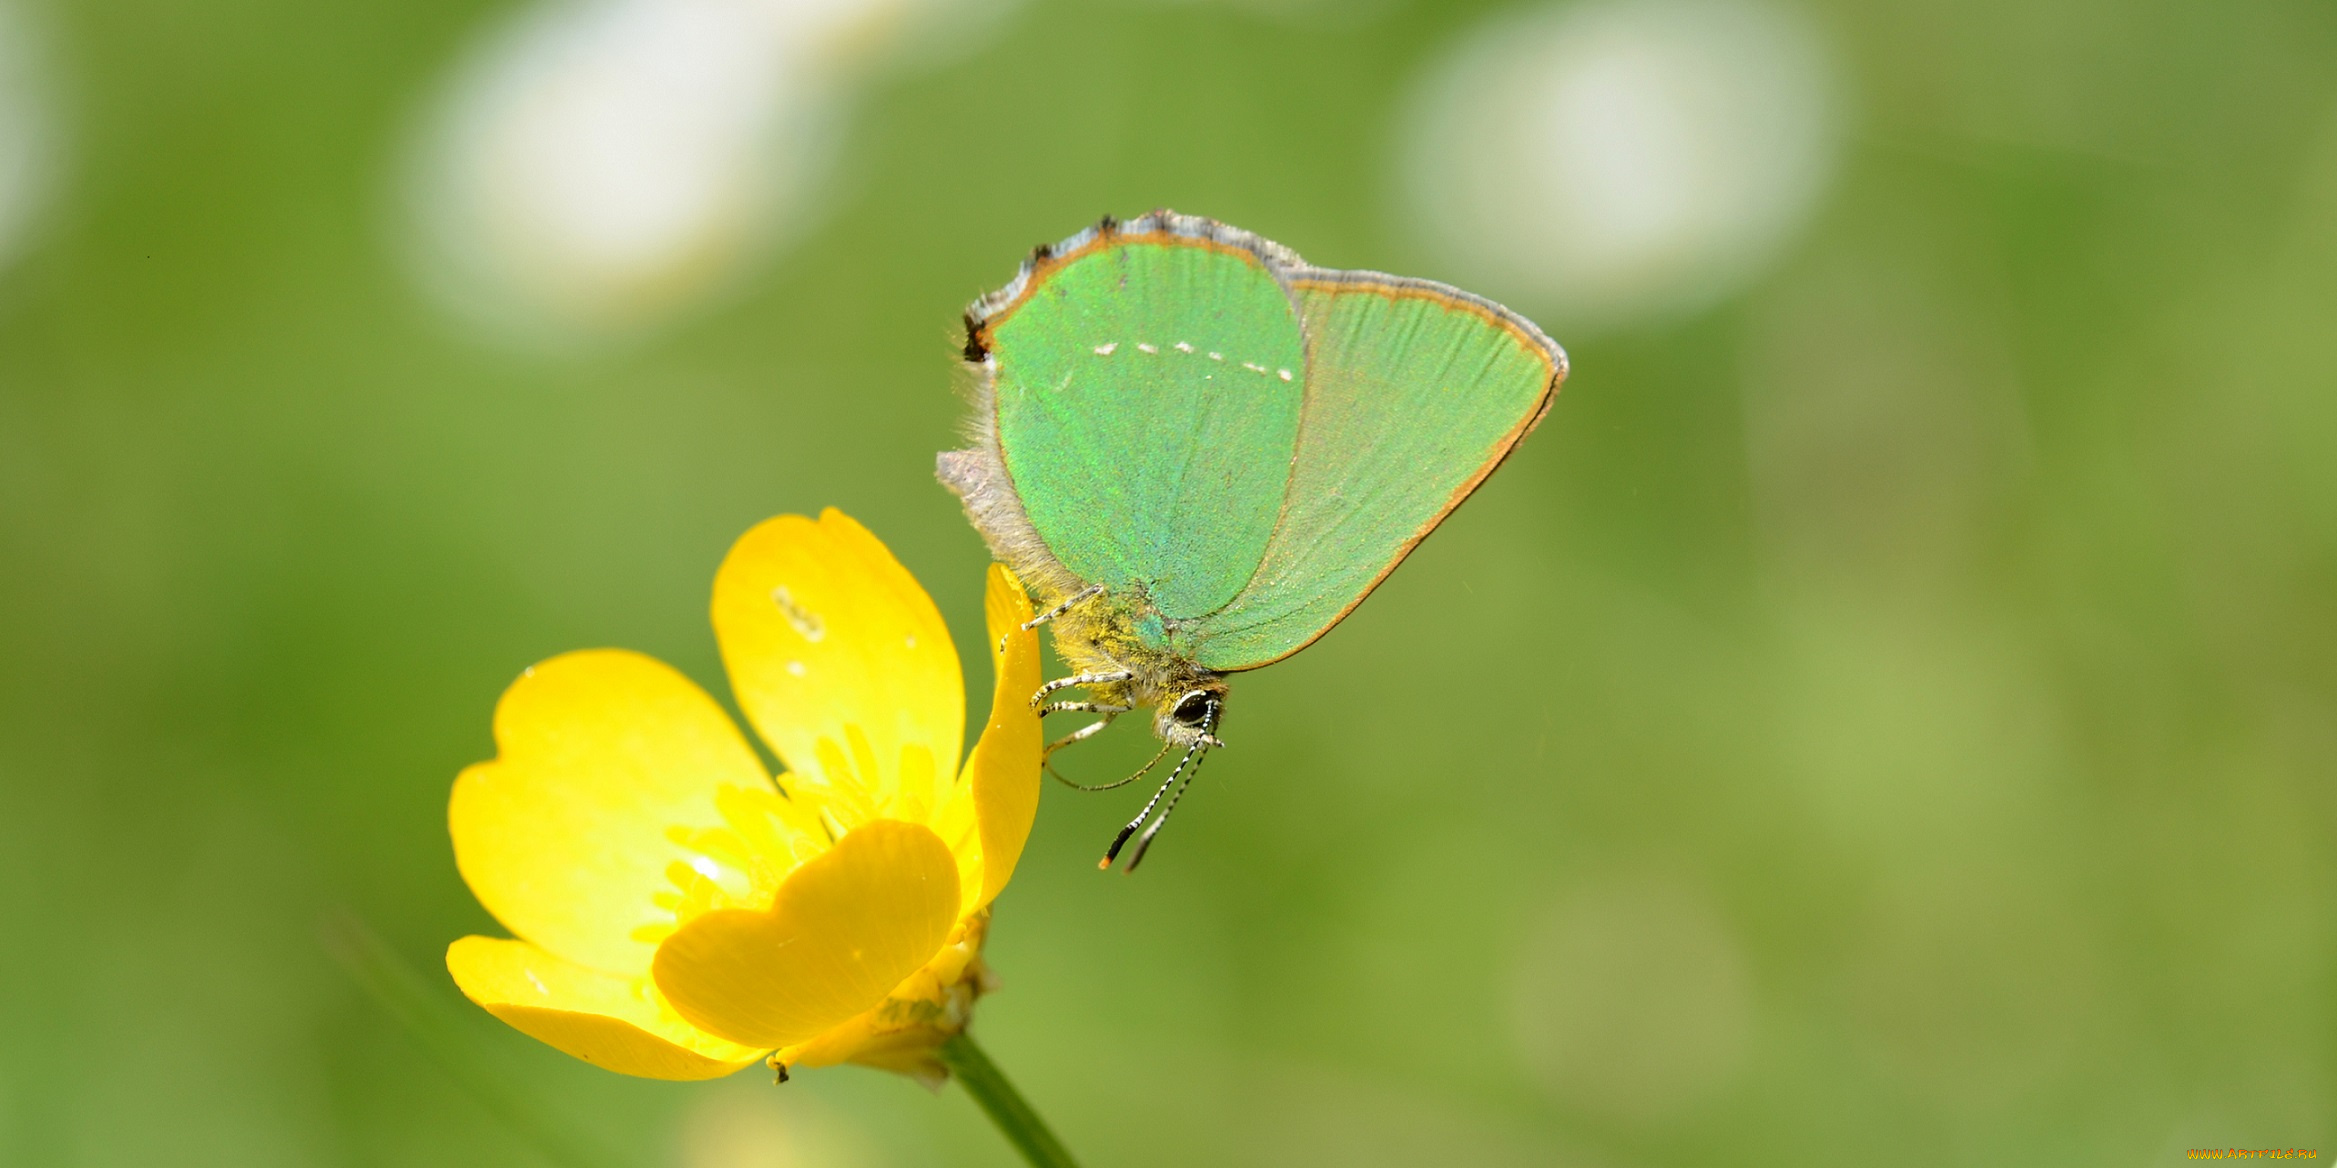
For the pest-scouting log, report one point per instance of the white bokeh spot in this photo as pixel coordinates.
(27, 132)
(1620, 160)
(595, 167)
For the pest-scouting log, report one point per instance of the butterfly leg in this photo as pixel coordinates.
(1081, 680)
(1089, 592)
(1082, 734)
(1081, 708)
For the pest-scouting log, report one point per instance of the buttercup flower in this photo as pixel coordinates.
(680, 913)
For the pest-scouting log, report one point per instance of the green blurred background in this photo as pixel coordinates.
(1888, 714)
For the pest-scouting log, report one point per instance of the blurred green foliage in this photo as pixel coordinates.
(1890, 718)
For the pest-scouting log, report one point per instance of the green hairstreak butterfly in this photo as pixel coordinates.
(1201, 452)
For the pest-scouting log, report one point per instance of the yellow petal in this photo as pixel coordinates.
(604, 759)
(841, 662)
(607, 1020)
(1003, 773)
(923, 1012)
(844, 930)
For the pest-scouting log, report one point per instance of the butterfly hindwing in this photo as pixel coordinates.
(1414, 393)
(1147, 396)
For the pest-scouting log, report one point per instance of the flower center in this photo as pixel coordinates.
(767, 833)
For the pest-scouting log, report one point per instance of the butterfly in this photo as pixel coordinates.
(1201, 452)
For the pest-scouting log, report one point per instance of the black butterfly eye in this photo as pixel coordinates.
(1192, 708)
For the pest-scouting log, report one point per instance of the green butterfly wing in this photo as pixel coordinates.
(1415, 392)
(1147, 407)
(1177, 408)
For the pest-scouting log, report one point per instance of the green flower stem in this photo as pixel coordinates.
(1022, 1126)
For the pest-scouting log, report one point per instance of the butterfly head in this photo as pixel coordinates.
(1191, 717)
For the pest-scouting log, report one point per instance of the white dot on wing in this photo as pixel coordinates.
(1217, 356)
(1285, 374)
(1107, 350)
(1184, 347)
(1141, 346)
(1253, 367)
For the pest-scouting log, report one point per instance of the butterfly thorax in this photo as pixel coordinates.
(1117, 632)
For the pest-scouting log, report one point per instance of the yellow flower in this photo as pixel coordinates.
(679, 912)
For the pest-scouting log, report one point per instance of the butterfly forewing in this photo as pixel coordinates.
(1148, 396)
